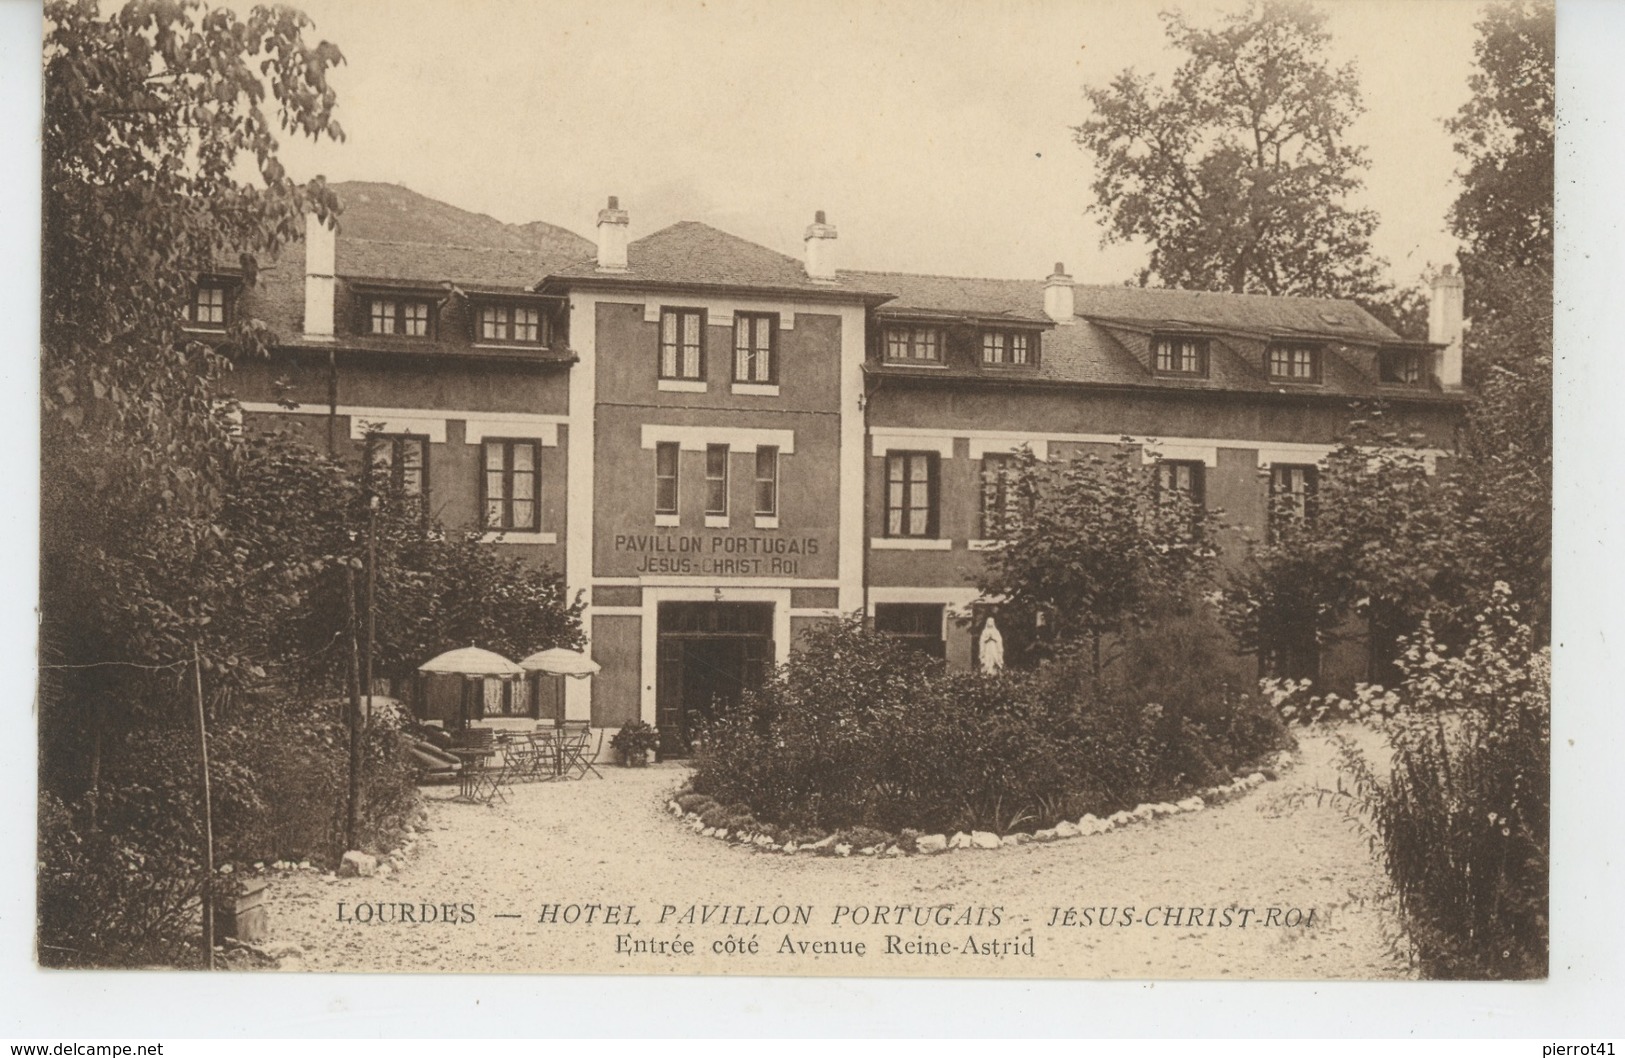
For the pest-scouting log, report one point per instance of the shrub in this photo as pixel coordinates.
(1464, 816)
(121, 870)
(859, 731)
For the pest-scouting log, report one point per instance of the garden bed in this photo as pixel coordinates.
(736, 824)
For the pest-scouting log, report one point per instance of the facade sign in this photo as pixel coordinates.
(716, 554)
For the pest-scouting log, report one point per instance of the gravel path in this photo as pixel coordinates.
(611, 843)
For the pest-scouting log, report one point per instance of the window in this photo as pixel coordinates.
(1292, 492)
(917, 624)
(911, 494)
(1180, 356)
(767, 481)
(395, 316)
(716, 481)
(511, 485)
(504, 323)
(1399, 367)
(1295, 363)
(208, 306)
(755, 348)
(398, 463)
(995, 494)
(1008, 348)
(1180, 479)
(914, 343)
(682, 343)
(666, 478)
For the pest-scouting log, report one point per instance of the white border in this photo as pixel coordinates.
(1580, 1001)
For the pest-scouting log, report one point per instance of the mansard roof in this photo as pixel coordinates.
(1155, 308)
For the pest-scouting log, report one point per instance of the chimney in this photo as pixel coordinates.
(612, 226)
(1058, 295)
(1444, 325)
(319, 269)
(821, 249)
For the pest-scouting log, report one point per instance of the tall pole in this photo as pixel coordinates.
(352, 808)
(372, 592)
(208, 813)
(332, 404)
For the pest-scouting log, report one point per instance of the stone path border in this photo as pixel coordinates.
(930, 844)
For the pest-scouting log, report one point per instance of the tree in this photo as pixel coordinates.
(1504, 216)
(152, 116)
(1237, 173)
(1504, 133)
(1379, 540)
(1090, 544)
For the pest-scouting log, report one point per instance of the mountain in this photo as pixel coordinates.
(392, 213)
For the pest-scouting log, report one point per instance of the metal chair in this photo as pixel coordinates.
(574, 760)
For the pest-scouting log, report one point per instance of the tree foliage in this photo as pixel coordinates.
(1504, 133)
(1380, 541)
(1237, 173)
(159, 162)
(1087, 545)
(1504, 216)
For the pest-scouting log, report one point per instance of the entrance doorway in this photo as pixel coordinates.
(706, 655)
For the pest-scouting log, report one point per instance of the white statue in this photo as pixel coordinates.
(991, 647)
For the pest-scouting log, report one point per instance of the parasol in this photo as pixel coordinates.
(561, 661)
(471, 661)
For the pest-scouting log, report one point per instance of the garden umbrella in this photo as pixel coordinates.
(991, 648)
(560, 662)
(471, 663)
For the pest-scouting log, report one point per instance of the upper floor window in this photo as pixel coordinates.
(1180, 356)
(1009, 348)
(1400, 367)
(716, 481)
(914, 343)
(1180, 479)
(511, 486)
(1294, 363)
(996, 468)
(767, 481)
(682, 343)
(666, 477)
(399, 463)
(510, 323)
(911, 494)
(756, 347)
(1292, 492)
(405, 316)
(209, 306)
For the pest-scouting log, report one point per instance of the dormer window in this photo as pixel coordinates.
(1009, 348)
(1179, 357)
(1400, 367)
(404, 316)
(209, 306)
(914, 345)
(1294, 363)
(520, 324)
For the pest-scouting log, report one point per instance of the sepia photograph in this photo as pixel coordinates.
(870, 489)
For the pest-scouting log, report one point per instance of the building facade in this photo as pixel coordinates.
(721, 444)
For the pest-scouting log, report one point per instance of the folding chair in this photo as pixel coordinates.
(573, 748)
(544, 750)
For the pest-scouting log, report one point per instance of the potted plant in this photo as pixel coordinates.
(634, 742)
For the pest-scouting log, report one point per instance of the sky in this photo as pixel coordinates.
(935, 134)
